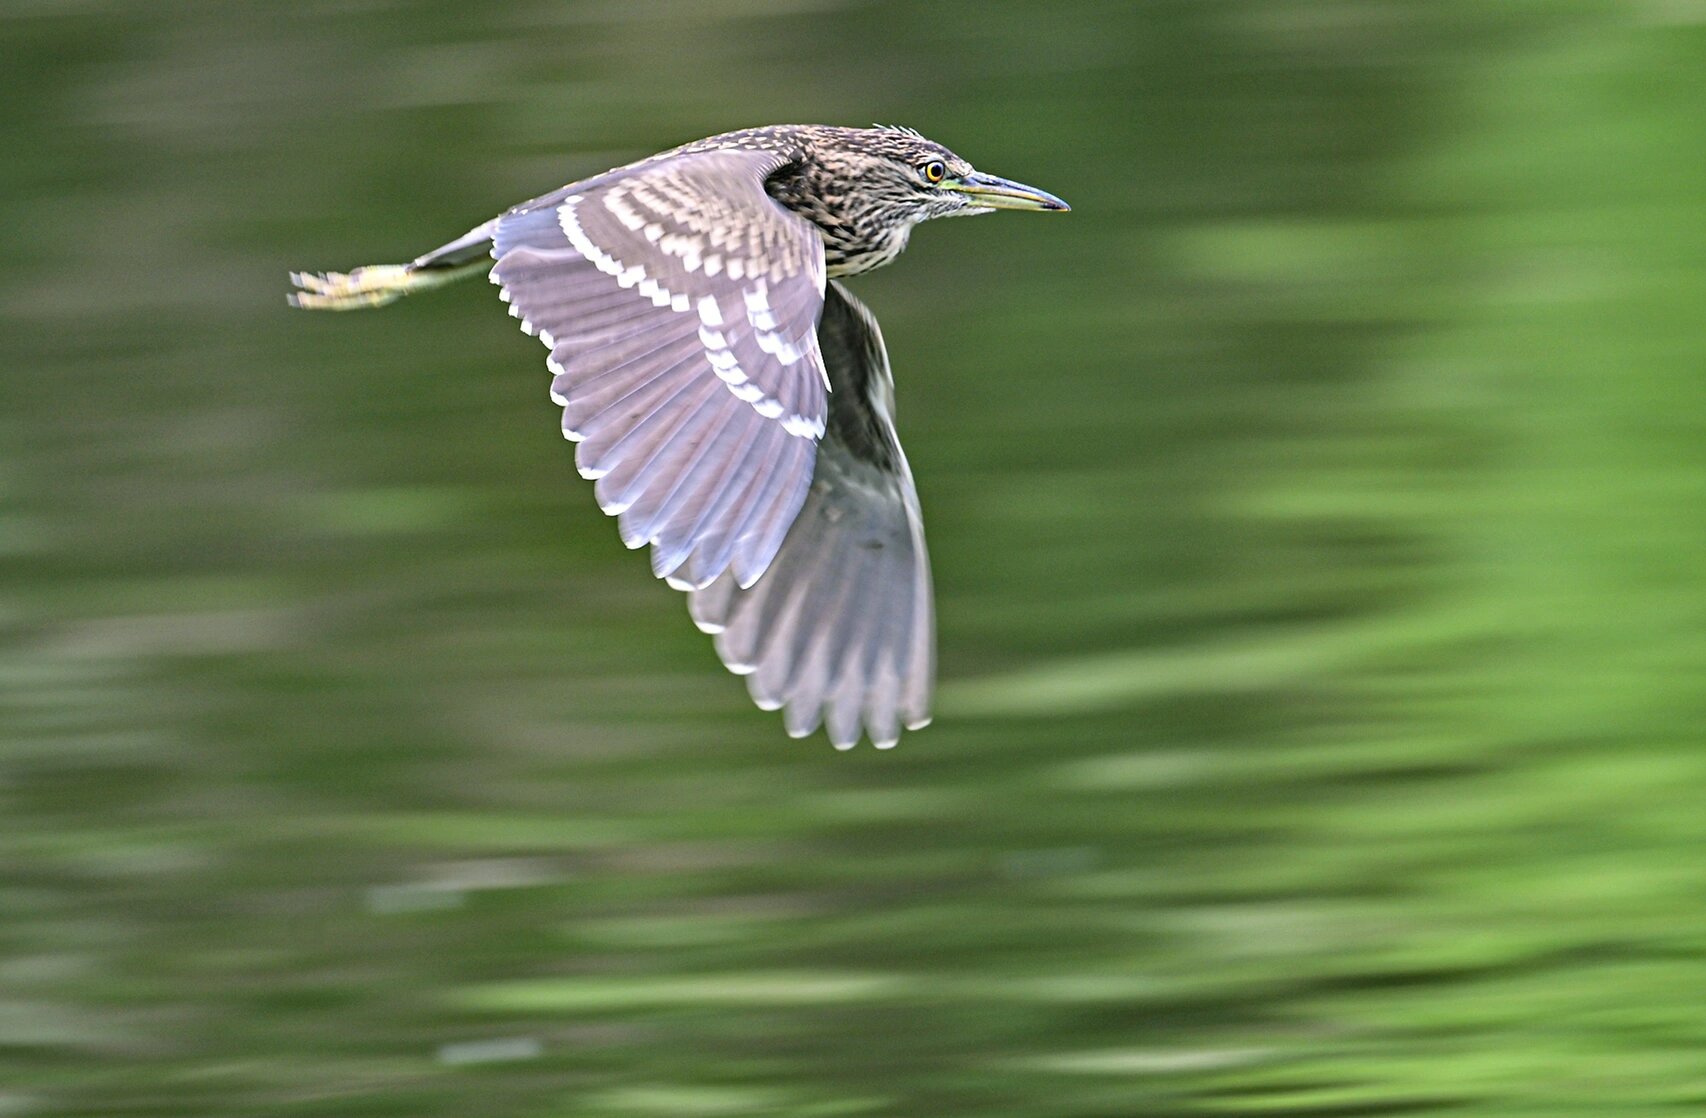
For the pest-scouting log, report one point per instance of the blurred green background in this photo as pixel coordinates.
(1317, 523)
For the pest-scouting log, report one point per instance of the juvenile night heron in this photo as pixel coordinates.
(735, 405)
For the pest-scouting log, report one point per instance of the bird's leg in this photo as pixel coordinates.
(377, 284)
(371, 286)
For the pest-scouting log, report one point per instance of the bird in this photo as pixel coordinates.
(732, 401)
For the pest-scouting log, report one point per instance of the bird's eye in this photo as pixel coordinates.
(934, 171)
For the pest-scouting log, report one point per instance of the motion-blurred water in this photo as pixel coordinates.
(1316, 516)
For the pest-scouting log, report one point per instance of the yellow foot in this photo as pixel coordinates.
(372, 286)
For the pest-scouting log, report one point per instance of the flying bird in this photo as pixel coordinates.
(731, 399)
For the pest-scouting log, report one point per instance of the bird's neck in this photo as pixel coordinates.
(855, 239)
(850, 253)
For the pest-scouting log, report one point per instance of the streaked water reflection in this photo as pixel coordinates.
(1316, 522)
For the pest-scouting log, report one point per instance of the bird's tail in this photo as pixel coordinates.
(377, 284)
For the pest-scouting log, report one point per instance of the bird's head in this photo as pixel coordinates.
(915, 179)
(865, 189)
(889, 179)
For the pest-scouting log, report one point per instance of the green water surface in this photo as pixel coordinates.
(1317, 518)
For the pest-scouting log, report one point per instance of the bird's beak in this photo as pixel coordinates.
(1004, 194)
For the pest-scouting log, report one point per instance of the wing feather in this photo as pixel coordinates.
(680, 304)
(688, 512)
(640, 453)
(840, 631)
(682, 458)
(761, 518)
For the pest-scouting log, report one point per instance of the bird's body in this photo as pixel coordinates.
(732, 401)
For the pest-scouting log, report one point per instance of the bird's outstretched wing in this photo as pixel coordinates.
(841, 628)
(680, 305)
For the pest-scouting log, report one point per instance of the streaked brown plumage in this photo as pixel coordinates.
(732, 401)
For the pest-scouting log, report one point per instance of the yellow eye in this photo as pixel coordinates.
(934, 171)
